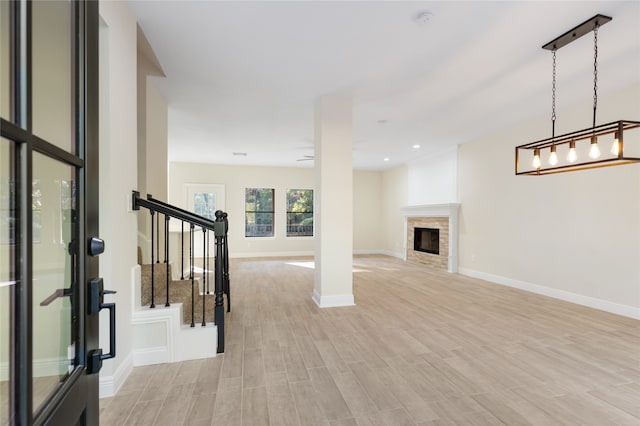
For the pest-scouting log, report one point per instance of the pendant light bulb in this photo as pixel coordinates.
(536, 158)
(615, 147)
(572, 156)
(594, 151)
(553, 158)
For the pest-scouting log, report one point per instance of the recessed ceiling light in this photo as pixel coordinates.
(416, 146)
(386, 159)
(240, 154)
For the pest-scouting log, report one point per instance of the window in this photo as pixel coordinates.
(204, 204)
(299, 212)
(204, 199)
(258, 212)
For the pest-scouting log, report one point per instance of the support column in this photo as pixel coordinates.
(334, 203)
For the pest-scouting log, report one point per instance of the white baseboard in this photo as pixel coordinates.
(309, 253)
(332, 301)
(109, 385)
(271, 254)
(382, 252)
(591, 302)
(151, 356)
(356, 252)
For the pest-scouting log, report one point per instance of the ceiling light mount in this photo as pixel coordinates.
(575, 33)
(422, 18)
(586, 139)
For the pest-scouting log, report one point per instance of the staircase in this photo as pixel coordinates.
(179, 315)
(179, 292)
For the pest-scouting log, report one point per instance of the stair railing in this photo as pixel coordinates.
(219, 227)
(225, 272)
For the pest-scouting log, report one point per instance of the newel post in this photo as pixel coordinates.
(220, 231)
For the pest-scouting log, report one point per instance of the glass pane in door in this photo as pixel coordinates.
(4, 60)
(7, 277)
(54, 225)
(52, 72)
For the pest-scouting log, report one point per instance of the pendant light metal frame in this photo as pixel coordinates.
(618, 128)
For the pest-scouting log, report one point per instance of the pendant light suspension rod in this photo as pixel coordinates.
(595, 73)
(553, 97)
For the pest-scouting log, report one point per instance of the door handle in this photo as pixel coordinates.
(96, 304)
(61, 292)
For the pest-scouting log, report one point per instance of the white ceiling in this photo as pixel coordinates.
(243, 76)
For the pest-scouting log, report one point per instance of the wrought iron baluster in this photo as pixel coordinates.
(207, 254)
(166, 253)
(153, 268)
(204, 273)
(191, 246)
(182, 250)
(157, 238)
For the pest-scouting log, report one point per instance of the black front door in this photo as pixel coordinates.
(48, 211)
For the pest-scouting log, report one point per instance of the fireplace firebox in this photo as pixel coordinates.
(426, 240)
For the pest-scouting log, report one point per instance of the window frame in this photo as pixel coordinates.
(288, 212)
(272, 212)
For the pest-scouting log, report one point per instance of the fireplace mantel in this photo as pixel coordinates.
(449, 211)
(431, 210)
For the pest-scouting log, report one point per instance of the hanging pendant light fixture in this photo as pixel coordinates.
(578, 160)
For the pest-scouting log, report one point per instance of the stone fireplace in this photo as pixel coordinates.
(438, 223)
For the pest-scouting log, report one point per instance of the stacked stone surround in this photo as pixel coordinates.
(441, 216)
(437, 261)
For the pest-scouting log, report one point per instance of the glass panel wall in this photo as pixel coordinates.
(52, 72)
(54, 224)
(5, 74)
(7, 276)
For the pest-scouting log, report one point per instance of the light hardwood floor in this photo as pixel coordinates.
(421, 347)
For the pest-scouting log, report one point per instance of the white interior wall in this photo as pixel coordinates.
(236, 179)
(154, 162)
(576, 235)
(367, 204)
(157, 137)
(433, 179)
(394, 196)
(141, 103)
(152, 138)
(368, 233)
(118, 176)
